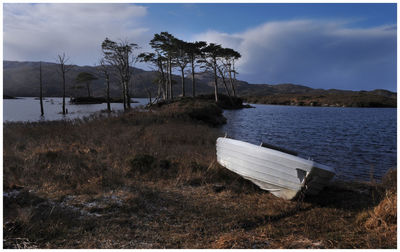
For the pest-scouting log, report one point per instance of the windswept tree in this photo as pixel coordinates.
(211, 55)
(120, 56)
(163, 44)
(64, 68)
(228, 58)
(87, 78)
(182, 59)
(223, 74)
(104, 70)
(194, 53)
(172, 52)
(158, 62)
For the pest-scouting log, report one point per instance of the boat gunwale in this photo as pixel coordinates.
(256, 159)
(280, 154)
(261, 149)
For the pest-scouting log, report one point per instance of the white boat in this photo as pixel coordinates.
(280, 173)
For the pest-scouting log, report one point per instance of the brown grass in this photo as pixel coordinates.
(150, 180)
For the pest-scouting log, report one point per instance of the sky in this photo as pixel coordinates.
(329, 46)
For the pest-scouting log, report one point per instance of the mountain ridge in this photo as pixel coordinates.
(21, 78)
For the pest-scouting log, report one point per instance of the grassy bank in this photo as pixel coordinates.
(151, 180)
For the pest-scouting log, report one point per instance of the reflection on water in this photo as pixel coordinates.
(356, 141)
(28, 109)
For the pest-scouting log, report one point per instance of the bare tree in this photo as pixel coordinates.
(157, 60)
(62, 60)
(120, 56)
(41, 89)
(105, 71)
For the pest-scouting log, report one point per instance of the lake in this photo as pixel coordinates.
(28, 109)
(357, 142)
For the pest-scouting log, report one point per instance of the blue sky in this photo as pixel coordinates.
(239, 17)
(343, 46)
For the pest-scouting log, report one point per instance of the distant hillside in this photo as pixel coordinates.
(326, 99)
(22, 79)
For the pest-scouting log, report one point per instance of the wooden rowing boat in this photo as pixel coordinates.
(276, 171)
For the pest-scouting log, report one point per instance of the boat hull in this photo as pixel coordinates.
(282, 174)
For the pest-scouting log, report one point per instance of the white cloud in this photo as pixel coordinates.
(316, 53)
(41, 31)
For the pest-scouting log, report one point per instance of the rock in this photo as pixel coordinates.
(218, 188)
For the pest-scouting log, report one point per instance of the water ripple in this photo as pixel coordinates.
(358, 142)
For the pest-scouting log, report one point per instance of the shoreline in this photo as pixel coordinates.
(361, 100)
(150, 180)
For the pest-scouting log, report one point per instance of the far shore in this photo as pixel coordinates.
(329, 100)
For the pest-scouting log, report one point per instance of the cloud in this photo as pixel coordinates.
(320, 54)
(42, 31)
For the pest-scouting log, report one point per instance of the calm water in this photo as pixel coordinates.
(355, 141)
(28, 109)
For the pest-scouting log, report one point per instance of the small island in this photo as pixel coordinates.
(95, 100)
(8, 97)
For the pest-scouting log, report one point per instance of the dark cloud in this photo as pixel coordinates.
(315, 53)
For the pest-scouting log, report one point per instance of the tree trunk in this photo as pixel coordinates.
(88, 88)
(127, 78)
(183, 82)
(168, 81)
(170, 78)
(193, 81)
(63, 103)
(163, 88)
(234, 72)
(215, 82)
(128, 96)
(41, 90)
(234, 78)
(149, 95)
(108, 93)
(159, 91)
(166, 87)
(224, 82)
(232, 84)
(123, 94)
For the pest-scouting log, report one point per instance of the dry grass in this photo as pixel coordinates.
(150, 180)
